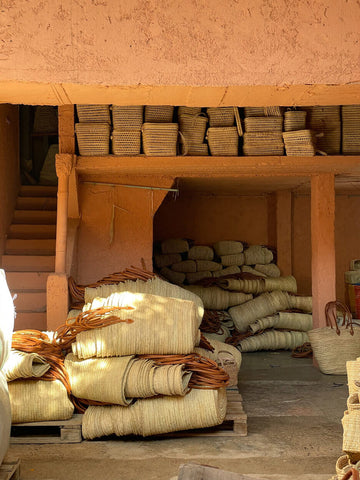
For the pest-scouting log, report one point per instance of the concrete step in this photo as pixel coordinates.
(36, 203)
(37, 191)
(19, 230)
(40, 246)
(32, 320)
(39, 217)
(28, 263)
(30, 301)
(27, 280)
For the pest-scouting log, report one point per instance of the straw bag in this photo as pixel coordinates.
(193, 127)
(223, 141)
(221, 116)
(93, 138)
(332, 345)
(93, 113)
(127, 116)
(126, 141)
(160, 139)
(159, 113)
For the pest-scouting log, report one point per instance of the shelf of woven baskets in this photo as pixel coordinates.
(55, 431)
(10, 469)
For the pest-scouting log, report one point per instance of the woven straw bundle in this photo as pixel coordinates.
(351, 435)
(254, 111)
(300, 303)
(262, 306)
(263, 124)
(350, 129)
(155, 286)
(299, 143)
(227, 271)
(127, 116)
(273, 111)
(221, 335)
(248, 269)
(273, 340)
(164, 260)
(294, 120)
(289, 320)
(221, 116)
(93, 138)
(24, 365)
(207, 265)
(263, 143)
(126, 141)
(197, 276)
(93, 113)
(171, 380)
(188, 110)
(174, 245)
(325, 120)
(159, 415)
(286, 284)
(270, 270)
(102, 380)
(343, 465)
(199, 252)
(353, 375)
(193, 127)
(215, 298)
(186, 266)
(223, 141)
(178, 278)
(5, 417)
(160, 139)
(353, 402)
(37, 401)
(161, 325)
(228, 247)
(198, 149)
(256, 254)
(233, 259)
(159, 113)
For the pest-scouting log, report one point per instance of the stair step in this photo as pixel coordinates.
(38, 191)
(28, 263)
(27, 280)
(20, 230)
(30, 320)
(38, 246)
(34, 217)
(30, 301)
(36, 203)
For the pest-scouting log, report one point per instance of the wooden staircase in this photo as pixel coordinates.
(30, 253)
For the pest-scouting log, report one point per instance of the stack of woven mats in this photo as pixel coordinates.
(263, 131)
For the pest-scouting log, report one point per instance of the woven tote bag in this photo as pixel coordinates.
(332, 345)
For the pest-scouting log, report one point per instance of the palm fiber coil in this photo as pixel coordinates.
(24, 365)
(273, 340)
(215, 298)
(258, 254)
(288, 320)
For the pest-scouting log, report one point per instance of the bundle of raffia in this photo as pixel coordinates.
(270, 270)
(227, 271)
(174, 245)
(153, 416)
(300, 302)
(200, 252)
(294, 120)
(228, 247)
(221, 335)
(178, 278)
(215, 298)
(287, 320)
(350, 129)
(197, 276)
(165, 260)
(273, 340)
(286, 284)
(326, 121)
(24, 365)
(256, 273)
(257, 254)
(232, 259)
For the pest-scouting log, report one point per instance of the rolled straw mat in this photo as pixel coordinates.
(201, 252)
(215, 298)
(228, 247)
(24, 365)
(273, 340)
(351, 434)
(353, 375)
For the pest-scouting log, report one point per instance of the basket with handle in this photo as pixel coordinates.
(193, 127)
(127, 116)
(223, 141)
(221, 116)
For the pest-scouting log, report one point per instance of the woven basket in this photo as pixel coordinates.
(188, 110)
(273, 340)
(351, 435)
(93, 113)
(126, 141)
(215, 298)
(353, 375)
(197, 150)
(221, 116)
(273, 111)
(288, 320)
(159, 113)
(223, 141)
(325, 120)
(193, 127)
(294, 120)
(93, 138)
(350, 129)
(201, 252)
(254, 111)
(299, 143)
(263, 124)
(24, 365)
(263, 143)
(127, 116)
(160, 139)
(353, 402)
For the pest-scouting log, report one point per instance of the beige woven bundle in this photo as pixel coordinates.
(300, 303)
(174, 245)
(270, 270)
(256, 254)
(286, 284)
(24, 365)
(273, 340)
(353, 375)
(171, 380)
(325, 121)
(186, 266)
(102, 380)
(126, 141)
(233, 259)
(264, 323)
(262, 306)
(160, 139)
(93, 113)
(254, 111)
(221, 116)
(353, 402)
(350, 129)
(93, 138)
(223, 141)
(164, 260)
(188, 110)
(159, 415)
(289, 320)
(159, 113)
(200, 252)
(221, 335)
(193, 127)
(161, 325)
(127, 116)
(154, 286)
(197, 276)
(248, 269)
(343, 465)
(294, 120)
(351, 434)
(174, 277)
(215, 298)
(263, 124)
(228, 247)
(263, 143)
(39, 400)
(207, 265)
(273, 111)
(227, 271)
(299, 143)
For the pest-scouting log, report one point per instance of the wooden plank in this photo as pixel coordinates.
(62, 431)
(10, 470)
(192, 471)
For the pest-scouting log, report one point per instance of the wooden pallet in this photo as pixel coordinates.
(61, 431)
(10, 470)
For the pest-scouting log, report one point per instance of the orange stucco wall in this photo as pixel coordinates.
(252, 42)
(9, 166)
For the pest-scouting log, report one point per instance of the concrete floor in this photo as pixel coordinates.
(294, 423)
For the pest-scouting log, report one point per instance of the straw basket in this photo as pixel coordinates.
(294, 120)
(353, 402)
(188, 110)
(159, 113)
(351, 435)
(198, 150)
(254, 111)
(126, 141)
(273, 340)
(221, 116)
(193, 127)
(160, 139)
(299, 143)
(353, 375)
(223, 141)
(93, 113)
(215, 298)
(263, 143)
(127, 116)
(350, 129)
(273, 111)
(325, 120)
(263, 124)
(93, 138)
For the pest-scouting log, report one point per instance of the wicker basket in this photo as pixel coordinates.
(189, 110)
(263, 124)
(350, 129)
(160, 139)
(93, 138)
(327, 121)
(196, 150)
(263, 143)
(299, 143)
(193, 127)
(294, 120)
(159, 113)
(221, 116)
(127, 116)
(93, 113)
(223, 141)
(254, 111)
(126, 141)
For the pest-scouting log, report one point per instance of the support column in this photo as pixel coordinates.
(322, 244)
(284, 231)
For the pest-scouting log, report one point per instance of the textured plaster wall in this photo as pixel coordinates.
(188, 42)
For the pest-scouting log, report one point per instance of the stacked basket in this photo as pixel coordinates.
(93, 129)
(350, 129)
(297, 139)
(263, 131)
(222, 135)
(192, 126)
(325, 121)
(159, 133)
(126, 134)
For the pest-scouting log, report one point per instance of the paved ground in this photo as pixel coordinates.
(294, 422)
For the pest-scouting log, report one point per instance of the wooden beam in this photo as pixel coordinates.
(322, 245)
(284, 231)
(66, 129)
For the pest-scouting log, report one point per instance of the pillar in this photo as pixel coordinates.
(284, 231)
